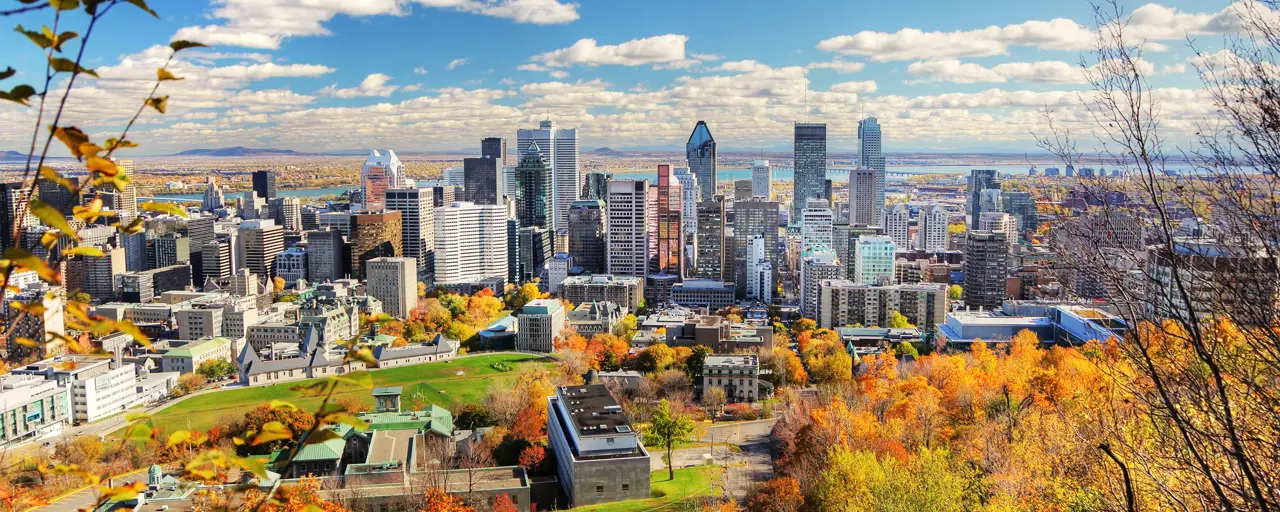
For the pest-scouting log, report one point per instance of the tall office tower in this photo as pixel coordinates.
(58, 196)
(251, 206)
(931, 234)
(286, 212)
(382, 171)
(1022, 206)
(559, 149)
(761, 179)
(135, 251)
(979, 180)
(167, 250)
(508, 182)
(810, 164)
(375, 235)
(534, 189)
(310, 216)
(999, 221)
(213, 197)
(742, 190)
(264, 184)
(513, 249)
(453, 177)
(536, 246)
(986, 268)
(632, 211)
(710, 263)
(14, 206)
(218, 264)
(471, 243)
(394, 281)
(874, 260)
(669, 259)
(595, 185)
(494, 148)
(199, 230)
(442, 195)
(816, 264)
(815, 224)
(324, 255)
(871, 157)
(700, 151)
(759, 272)
(897, 224)
(751, 218)
(417, 224)
(129, 201)
(95, 275)
(852, 234)
(691, 195)
(483, 185)
(263, 240)
(587, 233)
(862, 204)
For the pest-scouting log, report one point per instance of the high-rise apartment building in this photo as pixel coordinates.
(217, 254)
(816, 264)
(986, 268)
(633, 223)
(815, 224)
(587, 235)
(700, 151)
(980, 180)
(843, 302)
(810, 155)
(382, 171)
(931, 231)
(999, 221)
(862, 204)
(559, 149)
(263, 240)
(761, 179)
(874, 260)
(471, 243)
(759, 272)
(264, 184)
(871, 157)
(394, 281)
(711, 218)
(691, 195)
(375, 235)
(897, 224)
(417, 224)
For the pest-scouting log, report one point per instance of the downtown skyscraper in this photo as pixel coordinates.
(559, 149)
(871, 157)
(810, 165)
(382, 171)
(701, 153)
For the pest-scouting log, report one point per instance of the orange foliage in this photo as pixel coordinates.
(440, 501)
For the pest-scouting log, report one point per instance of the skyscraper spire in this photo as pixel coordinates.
(701, 153)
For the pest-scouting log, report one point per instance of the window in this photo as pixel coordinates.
(626, 487)
(599, 489)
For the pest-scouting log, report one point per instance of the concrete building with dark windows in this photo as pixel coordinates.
(710, 239)
(264, 184)
(986, 268)
(810, 164)
(587, 235)
(599, 456)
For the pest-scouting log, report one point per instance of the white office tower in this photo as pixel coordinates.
(559, 148)
(382, 171)
(471, 242)
(509, 181)
(453, 177)
(633, 216)
(816, 264)
(862, 205)
(931, 232)
(874, 260)
(999, 222)
(815, 224)
(394, 281)
(417, 224)
(213, 197)
(897, 222)
(759, 272)
(761, 179)
(871, 157)
(691, 193)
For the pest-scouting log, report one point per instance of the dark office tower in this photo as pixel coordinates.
(495, 148)
(670, 257)
(1023, 208)
(595, 185)
(810, 166)
(443, 195)
(979, 180)
(325, 250)
(742, 190)
(710, 239)
(986, 267)
(513, 251)
(264, 184)
(587, 234)
(13, 208)
(481, 183)
(533, 190)
(58, 196)
(701, 153)
(374, 235)
(751, 218)
(217, 259)
(535, 244)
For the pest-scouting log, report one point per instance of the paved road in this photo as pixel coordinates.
(87, 497)
(751, 466)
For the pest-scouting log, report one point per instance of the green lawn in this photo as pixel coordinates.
(666, 494)
(429, 383)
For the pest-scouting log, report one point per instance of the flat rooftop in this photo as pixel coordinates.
(593, 410)
(732, 360)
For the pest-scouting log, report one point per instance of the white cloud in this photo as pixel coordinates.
(839, 66)
(665, 50)
(372, 85)
(266, 23)
(419, 70)
(1173, 69)
(559, 74)
(865, 86)
(742, 66)
(1045, 71)
(412, 88)
(456, 62)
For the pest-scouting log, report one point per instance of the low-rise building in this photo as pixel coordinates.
(845, 303)
(31, 407)
(99, 387)
(187, 358)
(703, 293)
(540, 322)
(599, 457)
(591, 318)
(262, 336)
(738, 375)
(720, 335)
(626, 291)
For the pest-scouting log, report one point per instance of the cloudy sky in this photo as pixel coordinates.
(416, 75)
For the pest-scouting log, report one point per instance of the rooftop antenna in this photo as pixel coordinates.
(806, 100)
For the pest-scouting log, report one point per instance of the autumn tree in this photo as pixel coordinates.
(781, 494)
(303, 496)
(437, 500)
(667, 429)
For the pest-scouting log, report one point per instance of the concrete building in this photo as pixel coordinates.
(815, 224)
(874, 259)
(591, 318)
(599, 457)
(417, 225)
(999, 221)
(810, 157)
(980, 180)
(709, 262)
(986, 267)
(394, 281)
(194, 324)
(761, 179)
(588, 235)
(633, 224)
(703, 293)
(716, 332)
(897, 224)
(844, 303)
(540, 323)
(750, 218)
(816, 264)
(286, 212)
(291, 265)
(99, 388)
(31, 407)
(558, 270)
(759, 272)
(260, 241)
(737, 375)
(325, 249)
(187, 358)
(931, 233)
(862, 183)
(742, 190)
(625, 291)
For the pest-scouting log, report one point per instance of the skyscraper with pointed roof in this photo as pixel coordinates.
(382, 171)
(701, 153)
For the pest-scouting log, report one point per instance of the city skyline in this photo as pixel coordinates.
(936, 81)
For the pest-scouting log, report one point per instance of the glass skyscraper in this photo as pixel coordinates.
(810, 165)
(870, 156)
(701, 152)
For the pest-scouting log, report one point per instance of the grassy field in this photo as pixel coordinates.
(448, 384)
(666, 494)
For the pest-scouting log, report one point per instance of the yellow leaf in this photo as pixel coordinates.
(163, 74)
(281, 404)
(361, 379)
(347, 419)
(179, 437)
(129, 328)
(27, 342)
(90, 149)
(85, 250)
(252, 465)
(50, 239)
(113, 144)
(158, 103)
(72, 137)
(24, 259)
(50, 174)
(102, 166)
(163, 207)
(366, 356)
(272, 431)
(52, 217)
(124, 492)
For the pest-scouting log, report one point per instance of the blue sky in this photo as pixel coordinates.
(440, 74)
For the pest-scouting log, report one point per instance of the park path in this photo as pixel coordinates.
(752, 466)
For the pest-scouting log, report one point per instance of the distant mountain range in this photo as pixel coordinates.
(606, 151)
(238, 151)
(12, 155)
